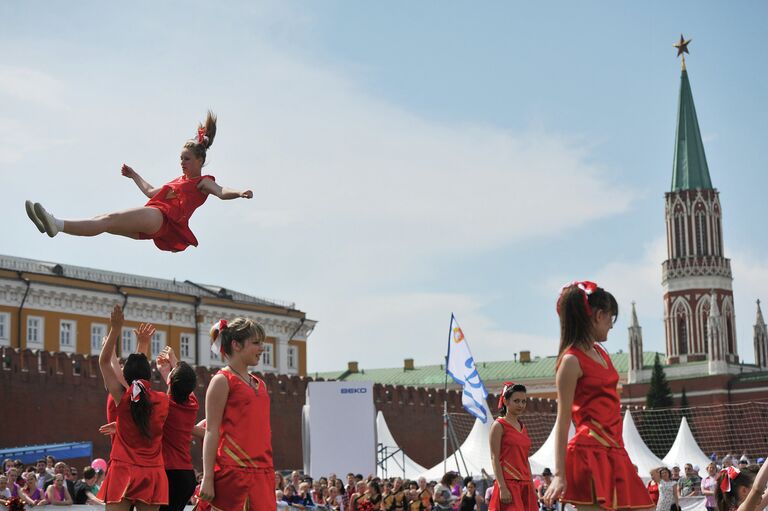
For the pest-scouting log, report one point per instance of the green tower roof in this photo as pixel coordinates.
(690, 166)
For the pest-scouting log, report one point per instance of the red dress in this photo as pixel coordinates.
(244, 476)
(595, 455)
(513, 456)
(136, 471)
(175, 235)
(177, 433)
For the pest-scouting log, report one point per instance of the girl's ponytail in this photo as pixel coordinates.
(138, 371)
(576, 306)
(206, 132)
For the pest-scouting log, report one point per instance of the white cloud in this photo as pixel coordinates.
(30, 85)
(356, 197)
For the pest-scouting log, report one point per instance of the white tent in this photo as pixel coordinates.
(638, 452)
(397, 463)
(686, 450)
(476, 453)
(545, 456)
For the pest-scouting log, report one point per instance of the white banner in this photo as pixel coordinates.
(461, 367)
(342, 428)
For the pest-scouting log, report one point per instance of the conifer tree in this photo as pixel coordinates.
(659, 393)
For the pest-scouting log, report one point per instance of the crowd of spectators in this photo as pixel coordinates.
(48, 482)
(667, 485)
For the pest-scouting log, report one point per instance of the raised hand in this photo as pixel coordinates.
(116, 319)
(127, 171)
(143, 337)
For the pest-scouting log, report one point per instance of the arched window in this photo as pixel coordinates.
(729, 333)
(679, 236)
(705, 327)
(702, 245)
(682, 334)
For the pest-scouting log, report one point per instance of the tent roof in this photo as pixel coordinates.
(638, 452)
(686, 450)
(399, 463)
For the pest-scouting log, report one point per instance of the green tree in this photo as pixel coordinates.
(659, 393)
(684, 401)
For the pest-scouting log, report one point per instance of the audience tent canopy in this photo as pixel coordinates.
(638, 452)
(393, 462)
(475, 452)
(686, 450)
(545, 456)
(31, 453)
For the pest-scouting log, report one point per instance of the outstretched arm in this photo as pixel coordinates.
(146, 188)
(111, 380)
(208, 185)
(755, 498)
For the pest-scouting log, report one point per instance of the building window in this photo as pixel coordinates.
(679, 236)
(5, 329)
(187, 347)
(266, 356)
(98, 331)
(157, 343)
(291, 357)
(128, 342)
(682, 335)
(35, 331)
(67, 335)
(702, 243)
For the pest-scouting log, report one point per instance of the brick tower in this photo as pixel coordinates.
(696, 275)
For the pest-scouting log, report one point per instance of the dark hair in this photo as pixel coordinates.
(730, 500)
(511, 390)
(200, 149)
(375, 485)
(137, 368)
(575, 318)
(240, 330)
(448, 478)
(89, 473)
(183, 381)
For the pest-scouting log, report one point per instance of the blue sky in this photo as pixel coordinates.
(409, 159)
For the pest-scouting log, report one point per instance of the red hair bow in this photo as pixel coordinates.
(507, 385)
(731, 473)
(201, 135)
(217, 347)
(586, 287)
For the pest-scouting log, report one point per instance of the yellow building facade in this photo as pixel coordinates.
(64, 308)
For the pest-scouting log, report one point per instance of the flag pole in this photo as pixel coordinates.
(445, 419)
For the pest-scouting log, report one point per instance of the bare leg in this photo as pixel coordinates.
(140, 506)
(123, 505)
(129, 223)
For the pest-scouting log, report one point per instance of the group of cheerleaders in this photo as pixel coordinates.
(150, 462)
(592, 470)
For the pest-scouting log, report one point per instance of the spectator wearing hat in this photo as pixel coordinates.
(676, 473)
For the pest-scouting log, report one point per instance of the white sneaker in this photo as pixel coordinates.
(49, 223)
(30, 207)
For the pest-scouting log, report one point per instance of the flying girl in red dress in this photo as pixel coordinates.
(592, 470)
(238, 474)
(136, 476)
(165, 217)
(510, 443)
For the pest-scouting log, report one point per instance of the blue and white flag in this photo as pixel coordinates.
(461, 367)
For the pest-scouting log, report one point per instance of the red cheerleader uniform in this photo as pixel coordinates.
(175, 235)
(244, 476)
(597, 467)
(513, 457)
(136, 471)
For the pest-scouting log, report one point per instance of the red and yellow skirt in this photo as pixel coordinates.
(126, 481)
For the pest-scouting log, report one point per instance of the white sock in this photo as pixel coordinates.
(58, 223)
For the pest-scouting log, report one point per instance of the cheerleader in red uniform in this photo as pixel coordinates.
(179, 428)
(513, 489)
(165, 218)
(238, 474)
(136, 476)
(594, 471)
